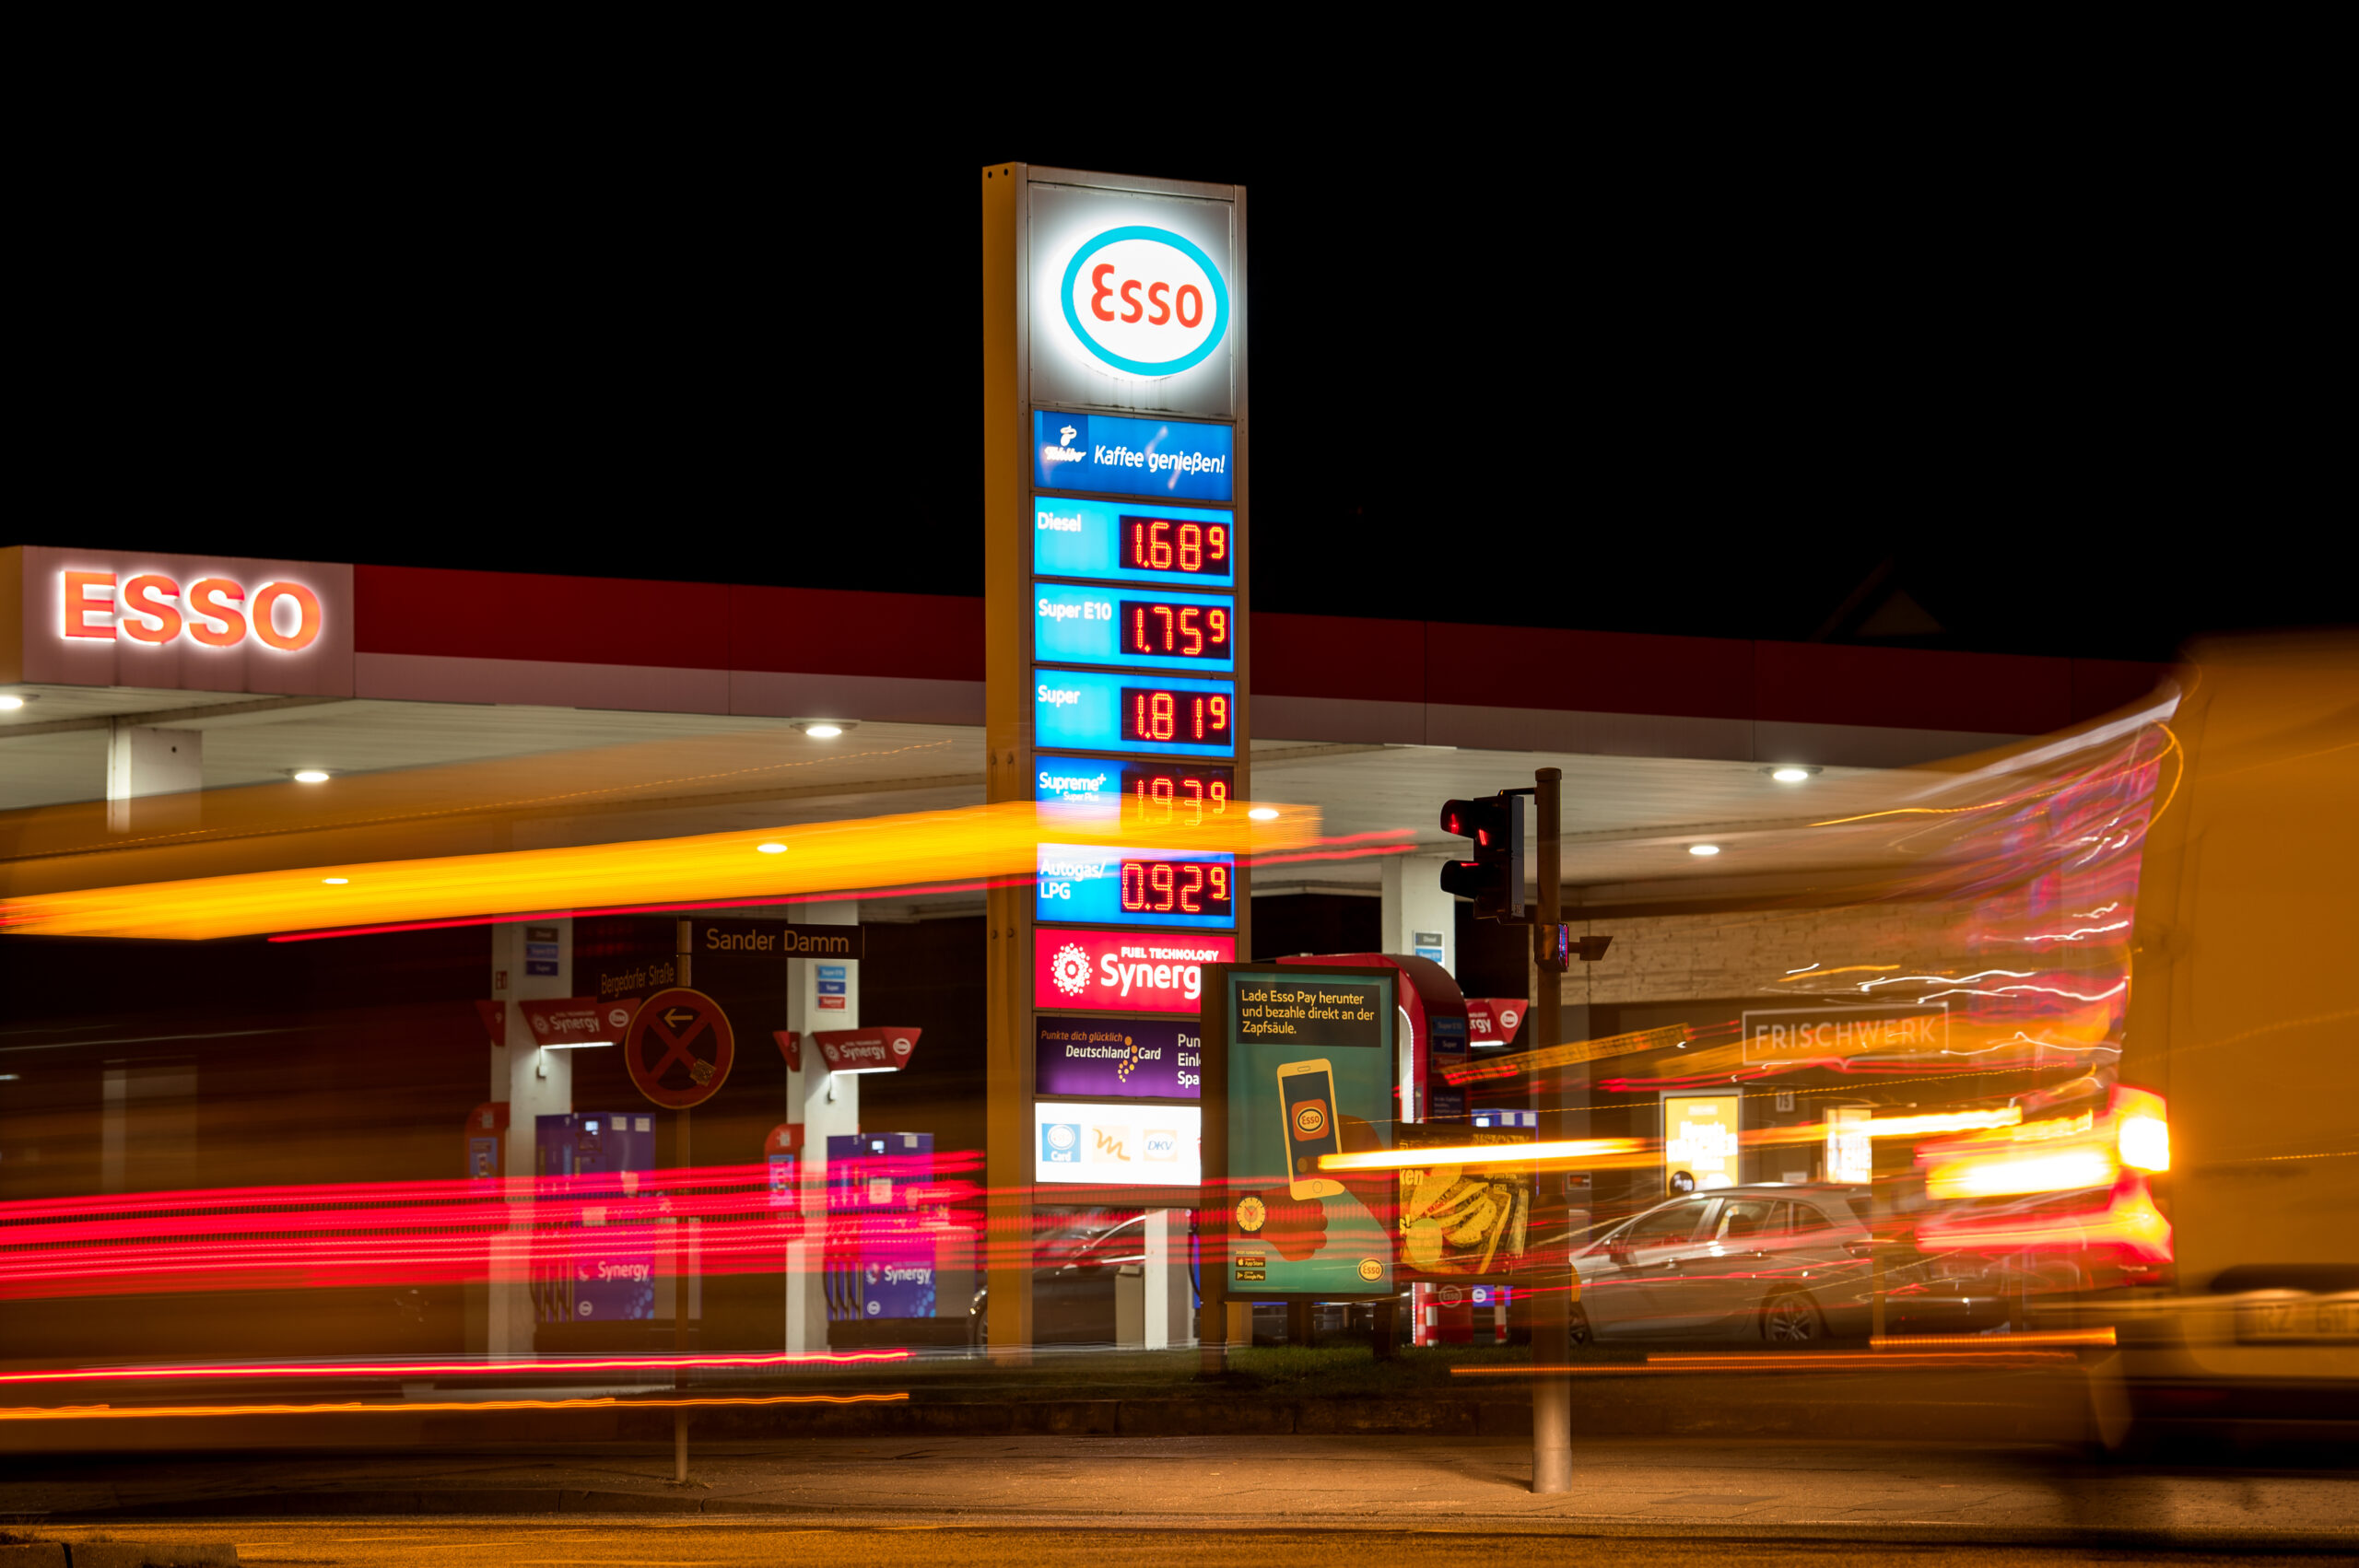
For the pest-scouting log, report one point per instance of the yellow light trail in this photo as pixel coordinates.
(1541, 1156)
(968, 844)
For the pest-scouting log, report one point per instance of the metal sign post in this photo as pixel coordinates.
(1552, 1392)
(1118, 658)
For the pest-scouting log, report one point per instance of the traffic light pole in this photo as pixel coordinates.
(1552, 1341)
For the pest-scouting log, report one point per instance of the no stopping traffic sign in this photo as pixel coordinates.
(679, 1048)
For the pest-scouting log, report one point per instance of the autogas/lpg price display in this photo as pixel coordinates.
(1136, 887)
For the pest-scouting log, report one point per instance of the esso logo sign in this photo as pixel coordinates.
(215, 611)
(1146, 302)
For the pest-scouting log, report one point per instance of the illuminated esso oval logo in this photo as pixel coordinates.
(215, 611)
(1310, 1120)
(1147, 301)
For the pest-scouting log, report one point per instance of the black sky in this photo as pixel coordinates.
(1754, 375)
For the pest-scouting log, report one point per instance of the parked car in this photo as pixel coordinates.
(1073, 1269)
(1788, 1264)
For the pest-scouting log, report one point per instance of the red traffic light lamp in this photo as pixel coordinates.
(1494, 878)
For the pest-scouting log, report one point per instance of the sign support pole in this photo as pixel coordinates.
(685, 947)
(1552, 1392)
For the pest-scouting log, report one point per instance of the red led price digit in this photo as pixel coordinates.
(1188, 905)
(1196, 803)
(1216, 541)
(1159, 877)
(1192, 548)
(1220, 885)
(1216, 621)
(1133, 885)
(1158, 551)
(1165, 612)
(1164, 710)
(1220, 716)
(1220, 797)
(1194, 634)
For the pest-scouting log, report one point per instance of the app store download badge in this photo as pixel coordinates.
(1060, 1143)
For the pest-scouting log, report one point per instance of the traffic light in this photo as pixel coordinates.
(1494, 878)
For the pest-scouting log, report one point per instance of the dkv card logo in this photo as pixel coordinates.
(1146, 302)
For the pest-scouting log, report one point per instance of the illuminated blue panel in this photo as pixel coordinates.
(1161, 715)
(1133, 627)
(1133, 542)
(1168, 459)
(1136, 887)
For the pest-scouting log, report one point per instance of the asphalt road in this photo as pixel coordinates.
(509, 1543)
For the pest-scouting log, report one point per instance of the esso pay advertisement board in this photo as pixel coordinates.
(1309, 1060)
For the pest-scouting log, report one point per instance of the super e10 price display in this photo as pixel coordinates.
(1175, 631)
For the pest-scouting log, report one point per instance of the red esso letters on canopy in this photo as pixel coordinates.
(213, 611)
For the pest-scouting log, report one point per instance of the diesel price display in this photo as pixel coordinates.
(1163, 545)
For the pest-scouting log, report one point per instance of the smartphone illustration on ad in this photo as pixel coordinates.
(1306, 1090)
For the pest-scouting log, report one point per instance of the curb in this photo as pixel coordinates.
(460, 1502)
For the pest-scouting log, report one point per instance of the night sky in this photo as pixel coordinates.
(1782, 379)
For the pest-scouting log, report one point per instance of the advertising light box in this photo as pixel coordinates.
(1134, 298)
(1310, 1075)
(1168, 458)
(1166, 715)
(1118, 1143)
(1133, 627)
(1136, 887)
(1124, 971)
(1133, 542)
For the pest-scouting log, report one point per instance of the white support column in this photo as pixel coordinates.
(1170, 1295)
(144, 762)
(827, 1103)
(1417, 913)
(529, 961)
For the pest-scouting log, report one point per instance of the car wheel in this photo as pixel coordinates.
(1792, 1318)
(1578, 1330)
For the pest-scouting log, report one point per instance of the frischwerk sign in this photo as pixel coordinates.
(1800, 1034)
